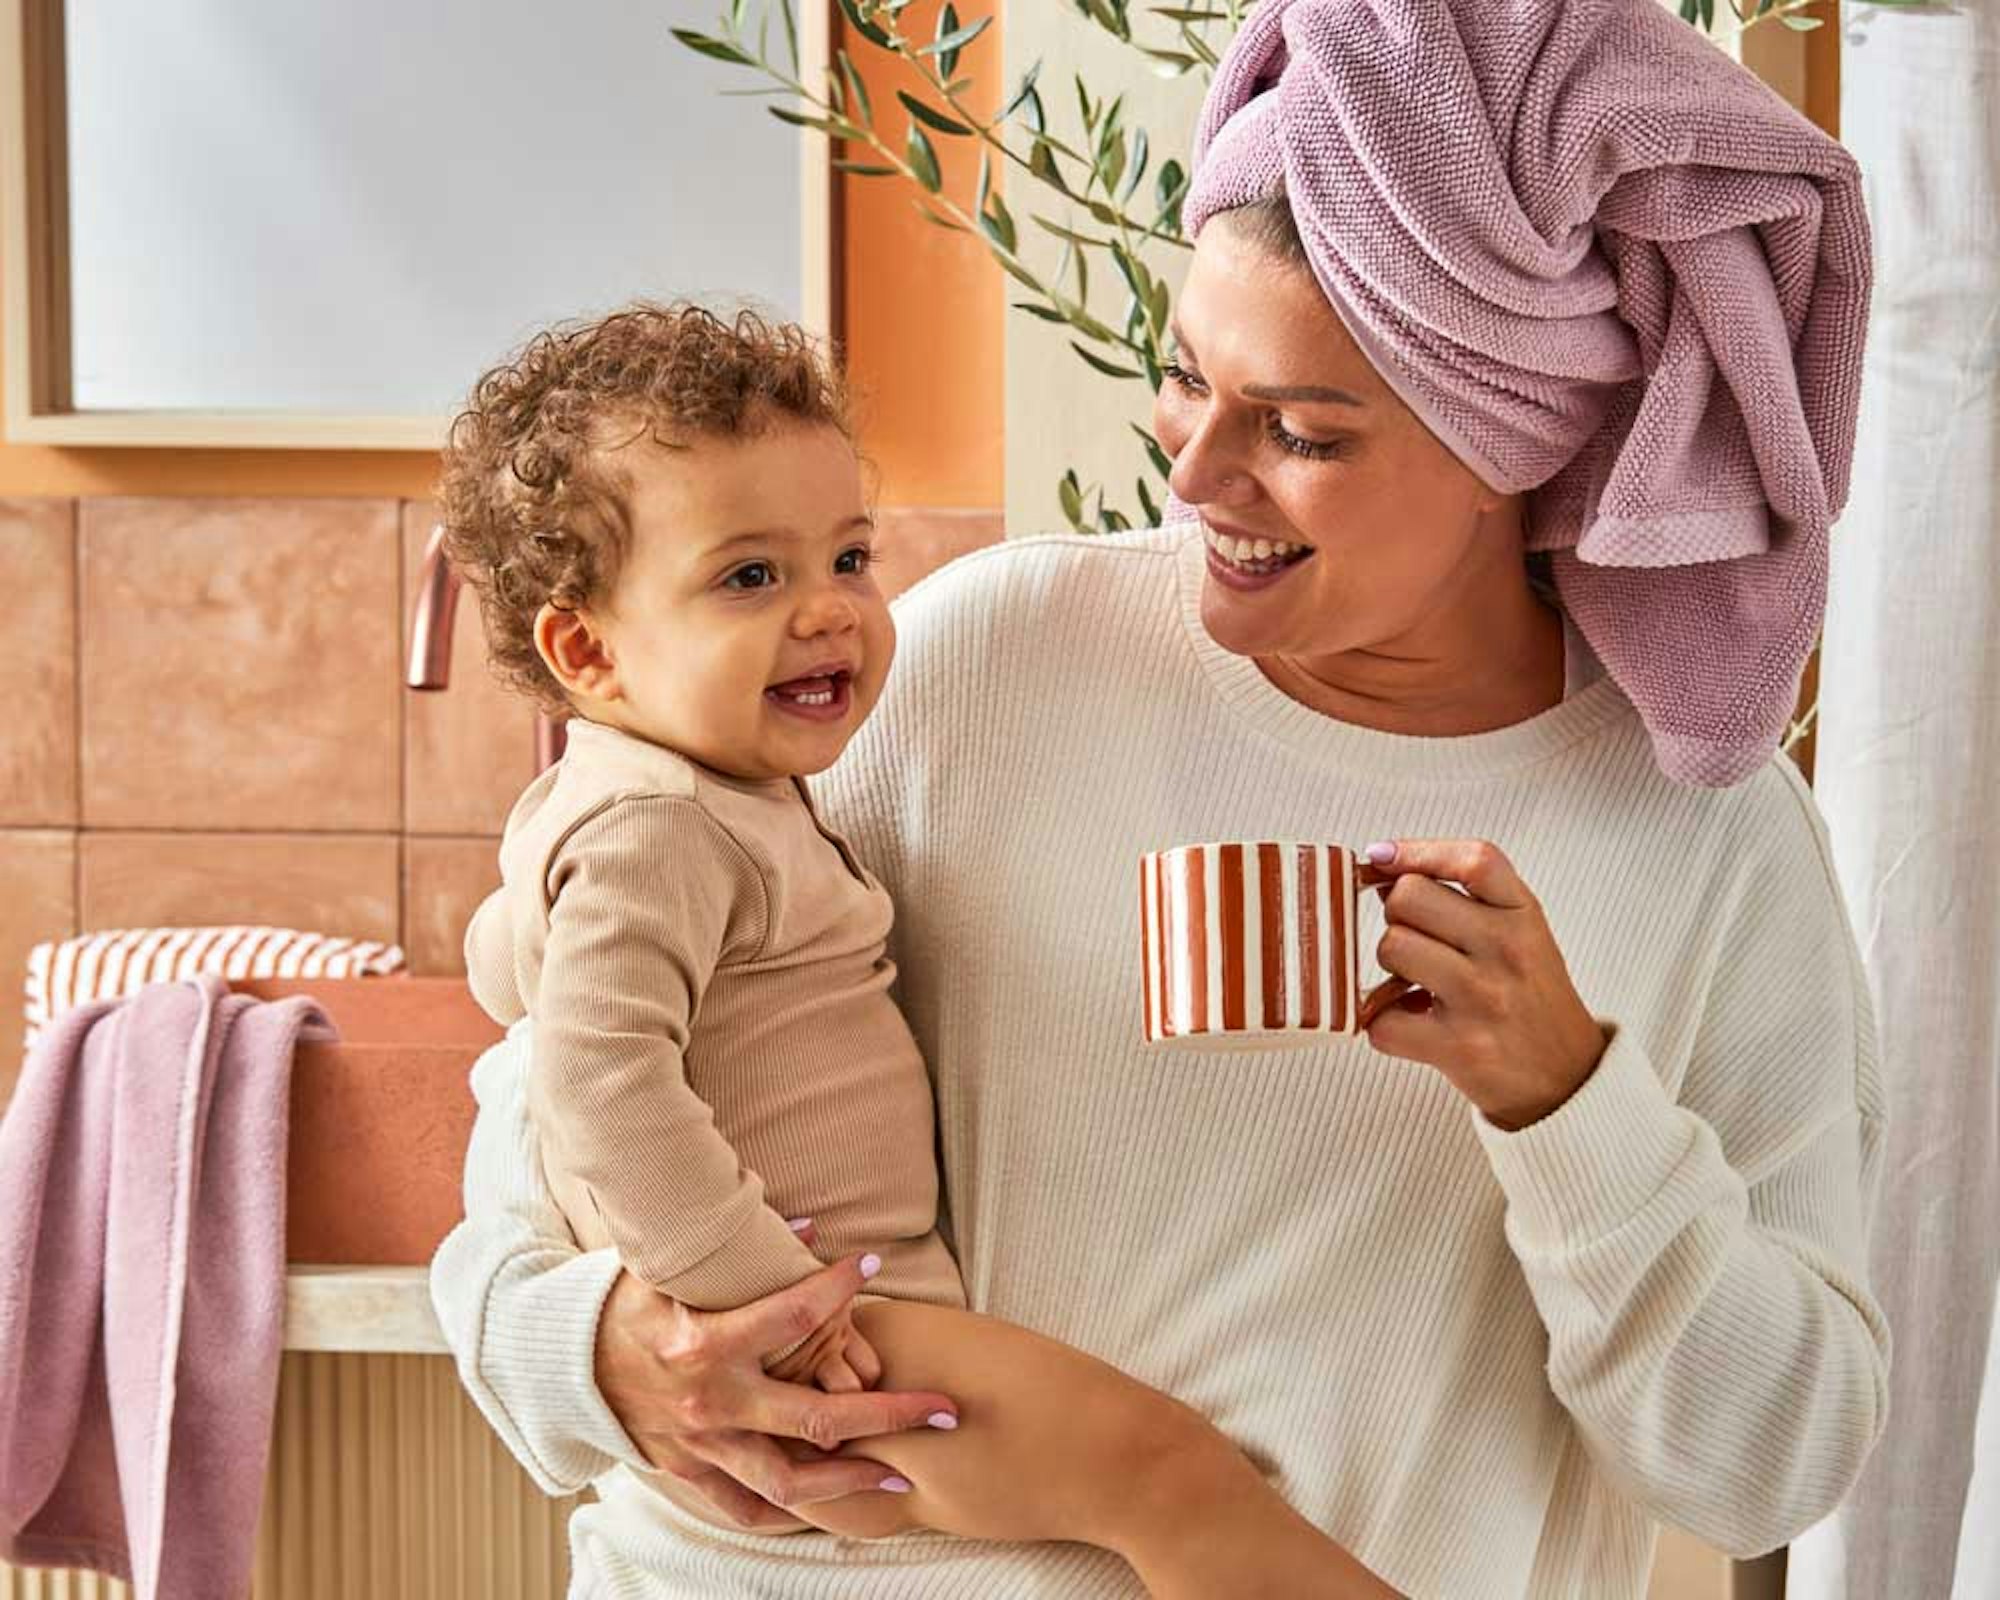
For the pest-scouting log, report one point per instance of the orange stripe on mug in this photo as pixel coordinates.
(1227, 927)
(1271, 932)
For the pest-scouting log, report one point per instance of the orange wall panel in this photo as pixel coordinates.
(924, 306)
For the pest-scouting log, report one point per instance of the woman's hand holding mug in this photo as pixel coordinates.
(1487, 996)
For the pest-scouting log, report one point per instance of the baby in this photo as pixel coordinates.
(663, 516)
(678, 502)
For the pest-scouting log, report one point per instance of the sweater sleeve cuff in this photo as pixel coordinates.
(1599, 1157)
(547, 1346)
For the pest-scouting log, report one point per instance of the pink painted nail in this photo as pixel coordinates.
(870, 1265)
(800, 1224)
(942, 1419)
(896, 1485)
(1381, 853)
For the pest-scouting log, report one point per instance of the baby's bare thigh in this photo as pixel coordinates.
(1041, 1426)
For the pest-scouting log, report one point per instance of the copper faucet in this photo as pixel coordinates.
(430, 643)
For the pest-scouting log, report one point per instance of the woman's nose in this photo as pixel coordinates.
(1205, 471)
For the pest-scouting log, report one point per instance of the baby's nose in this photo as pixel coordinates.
(826, 613)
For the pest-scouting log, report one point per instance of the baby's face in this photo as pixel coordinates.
(745, 626)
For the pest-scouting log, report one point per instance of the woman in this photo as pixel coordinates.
(1571, 1243)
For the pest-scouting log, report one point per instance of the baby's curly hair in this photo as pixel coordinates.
(534, 512)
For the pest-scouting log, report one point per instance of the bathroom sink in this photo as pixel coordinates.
(380, 1119)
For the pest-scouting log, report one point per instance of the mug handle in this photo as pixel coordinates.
(1385, 994)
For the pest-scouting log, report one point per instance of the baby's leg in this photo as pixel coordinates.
(1054, 1444)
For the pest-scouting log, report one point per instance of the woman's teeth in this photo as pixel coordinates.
(1252, 552)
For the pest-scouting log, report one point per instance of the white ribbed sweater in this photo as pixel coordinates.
(1487, 1363)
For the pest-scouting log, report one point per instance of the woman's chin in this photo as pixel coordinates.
(1238, 624)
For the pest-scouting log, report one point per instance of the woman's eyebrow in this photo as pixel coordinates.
(1310, 393)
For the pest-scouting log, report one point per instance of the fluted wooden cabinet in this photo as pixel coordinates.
(385, 1483)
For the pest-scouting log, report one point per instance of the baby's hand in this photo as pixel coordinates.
(836, 1358)
(822, 1358)
(857, 1367)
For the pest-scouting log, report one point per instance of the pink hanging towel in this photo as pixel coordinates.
(1603, 263)
(142, 1285)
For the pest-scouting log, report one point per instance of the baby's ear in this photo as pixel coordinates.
(576, 653)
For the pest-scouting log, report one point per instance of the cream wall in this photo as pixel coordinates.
(1060, 413)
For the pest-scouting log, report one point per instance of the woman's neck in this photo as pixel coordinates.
(1513, 667)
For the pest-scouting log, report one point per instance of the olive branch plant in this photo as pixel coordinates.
(1090, 194)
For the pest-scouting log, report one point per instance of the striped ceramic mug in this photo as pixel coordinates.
(1255, 942)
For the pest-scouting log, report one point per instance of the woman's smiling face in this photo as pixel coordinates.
(1282, 432)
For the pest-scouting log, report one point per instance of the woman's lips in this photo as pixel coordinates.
(1253, 575)
(824, 698)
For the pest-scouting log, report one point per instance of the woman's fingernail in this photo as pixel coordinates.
(870, 1265)
(1382, 852)
(942, 1419)
(800, 1224)
(896, 1485)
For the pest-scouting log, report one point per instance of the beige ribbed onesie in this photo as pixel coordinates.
(714, 1044)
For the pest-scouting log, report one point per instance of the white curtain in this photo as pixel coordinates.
(1908, 774)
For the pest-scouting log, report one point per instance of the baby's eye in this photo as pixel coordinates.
(855, 561)
(752, 575)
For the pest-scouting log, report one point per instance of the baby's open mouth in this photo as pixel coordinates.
(822, 696)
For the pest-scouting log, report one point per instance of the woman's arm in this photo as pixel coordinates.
(1700, 1261)
(1711, 1333)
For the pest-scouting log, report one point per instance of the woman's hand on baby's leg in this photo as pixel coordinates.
(689, 1389)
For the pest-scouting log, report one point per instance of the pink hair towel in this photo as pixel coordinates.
(142, 1286)
(1604, 263)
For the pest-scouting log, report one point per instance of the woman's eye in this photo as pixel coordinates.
(752, 575)
(1311, 449)
(1180, 377)
(855, 561)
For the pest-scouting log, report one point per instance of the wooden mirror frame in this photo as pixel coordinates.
(34, 270)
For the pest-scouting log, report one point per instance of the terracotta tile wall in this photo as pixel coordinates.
(205, 722)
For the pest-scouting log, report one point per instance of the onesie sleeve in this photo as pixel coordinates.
(646, 898)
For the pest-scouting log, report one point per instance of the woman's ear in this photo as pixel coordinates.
(579, 656)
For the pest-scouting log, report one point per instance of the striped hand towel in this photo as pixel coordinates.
(115, 962)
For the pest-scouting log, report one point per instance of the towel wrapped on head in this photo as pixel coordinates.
(1605, 264)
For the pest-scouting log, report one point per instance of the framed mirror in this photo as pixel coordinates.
(293, 223)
